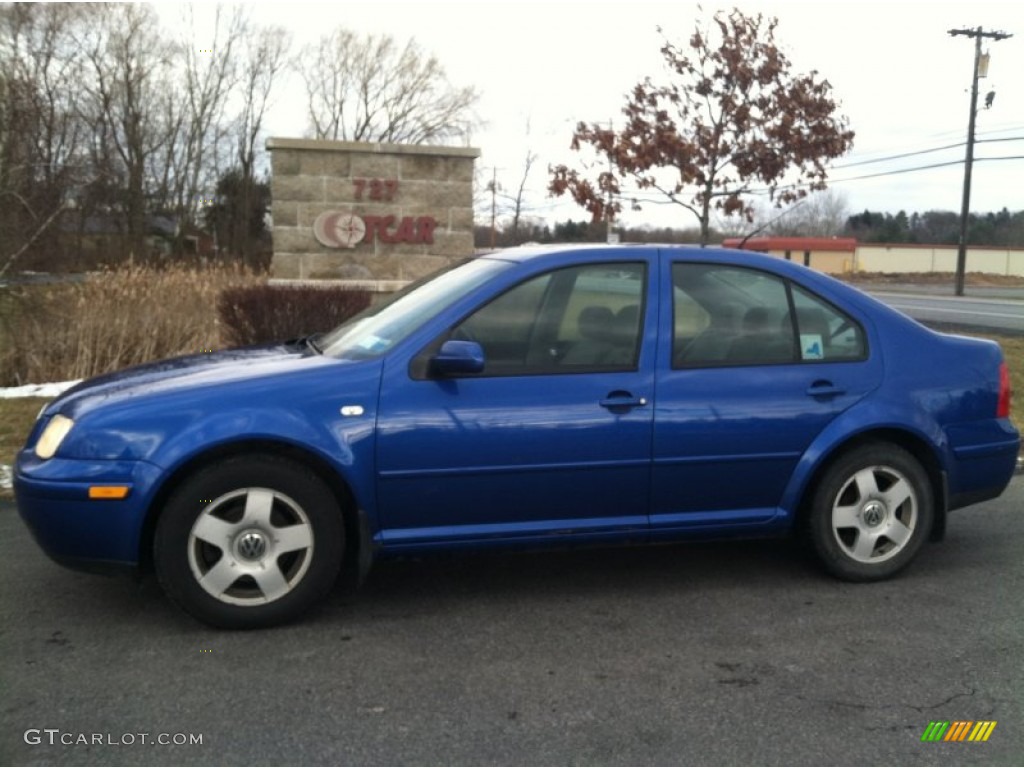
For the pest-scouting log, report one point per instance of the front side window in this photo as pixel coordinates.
(579, 319)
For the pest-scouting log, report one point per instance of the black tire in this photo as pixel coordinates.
(870, 513)
(248, 542)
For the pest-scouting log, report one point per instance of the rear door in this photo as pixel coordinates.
(753, 368)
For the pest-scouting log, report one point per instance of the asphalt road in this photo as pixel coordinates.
(1002, 314)
(735, 653)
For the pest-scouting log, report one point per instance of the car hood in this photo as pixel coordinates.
(187, 372)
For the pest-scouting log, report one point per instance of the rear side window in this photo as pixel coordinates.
(726, 315)
(825, 333)
(730, 316)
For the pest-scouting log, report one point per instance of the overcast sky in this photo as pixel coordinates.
(902, 80)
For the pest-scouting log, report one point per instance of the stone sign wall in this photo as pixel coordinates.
(374, 215)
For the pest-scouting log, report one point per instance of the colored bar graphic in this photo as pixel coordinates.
(982, 730)
(958, 730)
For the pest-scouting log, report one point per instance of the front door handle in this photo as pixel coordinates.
(623, 400)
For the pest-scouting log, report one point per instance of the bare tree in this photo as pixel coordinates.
(264, 58)
(822, 214)
(129, 101)
(369, 88)
(101, 105)
(41, 138)
(516, 199)
(491, 200)
(200, 138)
(239, 217)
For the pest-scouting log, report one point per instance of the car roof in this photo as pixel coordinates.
(713, 253)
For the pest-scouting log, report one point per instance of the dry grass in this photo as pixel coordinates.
(16, 418)
(114, 319)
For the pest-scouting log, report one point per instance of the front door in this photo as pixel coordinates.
(552, 439)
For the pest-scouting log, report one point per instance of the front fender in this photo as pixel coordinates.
(300, 411)
(345, 445)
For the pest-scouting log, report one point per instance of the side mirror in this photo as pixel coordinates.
(458, 358)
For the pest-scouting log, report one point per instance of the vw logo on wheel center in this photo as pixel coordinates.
(252, 545)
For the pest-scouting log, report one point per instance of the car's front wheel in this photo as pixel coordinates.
(250, 541)
(870, 512)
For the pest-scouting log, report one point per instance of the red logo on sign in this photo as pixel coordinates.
(336, 229)
(339, 230)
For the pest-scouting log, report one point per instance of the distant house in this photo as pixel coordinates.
(104, 233)
(834, 255)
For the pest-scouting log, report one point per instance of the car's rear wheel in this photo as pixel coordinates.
(250, 541)
(870, 512)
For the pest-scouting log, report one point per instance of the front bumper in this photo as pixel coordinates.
(89, 534)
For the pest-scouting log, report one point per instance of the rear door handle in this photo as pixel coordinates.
(824, 389)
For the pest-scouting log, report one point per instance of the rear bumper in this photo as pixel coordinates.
(985, 458)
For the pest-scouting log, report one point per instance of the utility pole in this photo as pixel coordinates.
(965, 208)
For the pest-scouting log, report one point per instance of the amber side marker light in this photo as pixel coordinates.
(108, 491)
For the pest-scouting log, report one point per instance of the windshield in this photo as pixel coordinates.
(378, 329)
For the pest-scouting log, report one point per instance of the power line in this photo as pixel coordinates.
(919, 152)
(897, 157)
(896, 172)
(644, 198)
(1009, 138)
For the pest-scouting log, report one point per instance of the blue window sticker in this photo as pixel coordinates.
(811, 347)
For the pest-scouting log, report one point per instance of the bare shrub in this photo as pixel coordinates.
(111, 320)
(259, 314)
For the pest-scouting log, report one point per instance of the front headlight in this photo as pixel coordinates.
(53, 435)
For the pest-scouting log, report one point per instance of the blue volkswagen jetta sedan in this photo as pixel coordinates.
(527, 398)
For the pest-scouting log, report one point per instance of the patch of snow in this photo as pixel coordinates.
(6, 478)
(37, 390)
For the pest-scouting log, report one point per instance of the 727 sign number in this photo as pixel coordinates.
(381, 190)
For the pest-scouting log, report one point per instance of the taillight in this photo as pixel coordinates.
(1003, 405)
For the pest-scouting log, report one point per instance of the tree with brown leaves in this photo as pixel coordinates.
(731, 117)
